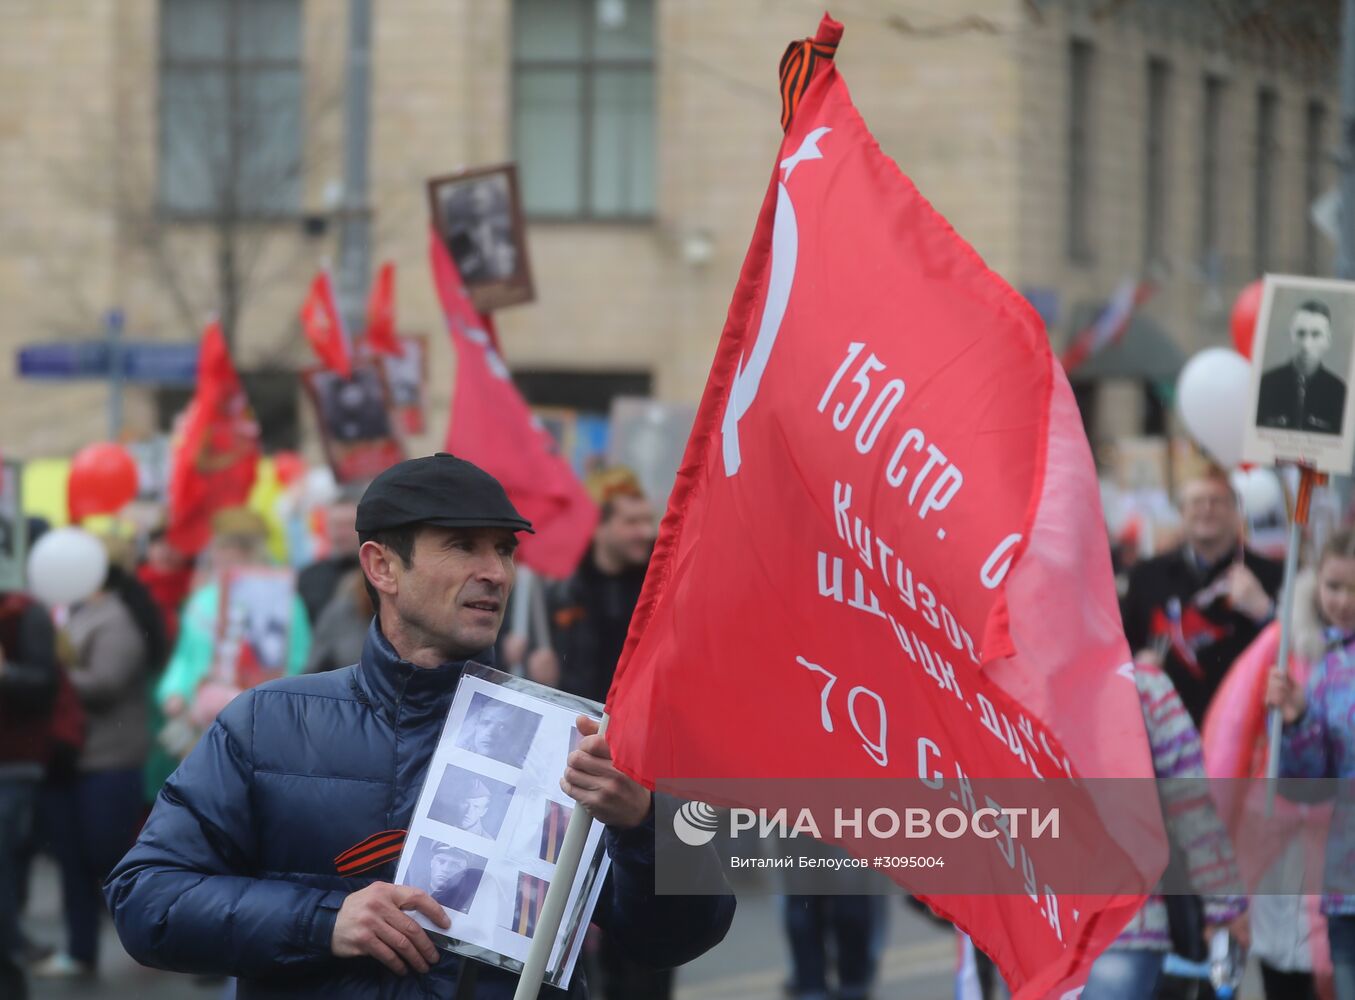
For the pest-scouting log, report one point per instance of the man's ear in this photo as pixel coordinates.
(378, 564)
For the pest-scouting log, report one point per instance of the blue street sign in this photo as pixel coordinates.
(80, 359)
(162, 364)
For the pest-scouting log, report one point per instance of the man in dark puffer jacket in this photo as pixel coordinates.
(235, 871)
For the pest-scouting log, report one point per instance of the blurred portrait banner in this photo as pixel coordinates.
(486, 833)
(253, 627)
(13, 531)
(355, 421)
(884, 555)
(407, 378)
(1303, 360)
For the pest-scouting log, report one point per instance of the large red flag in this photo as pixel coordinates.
(492, 427)
(323, 325)
(216, 451)
(381, 338)
(884, 556)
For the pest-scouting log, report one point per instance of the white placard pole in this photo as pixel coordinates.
(1308, 478)
(553, 909)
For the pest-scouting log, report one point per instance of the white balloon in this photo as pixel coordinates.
(66, 566)
(1260, 492)
(319, 488)
(1211, 396)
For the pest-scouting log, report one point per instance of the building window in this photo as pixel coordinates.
(583, 108)
(1211, 134)
(230, 107)
(1314, 171)
(1267, 108)
(1080, 245)
(1155, 167)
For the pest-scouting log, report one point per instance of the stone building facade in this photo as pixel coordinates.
(1075, 143)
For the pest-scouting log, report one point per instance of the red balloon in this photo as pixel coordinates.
(1246, 307)
(103, 480)
(288, 466)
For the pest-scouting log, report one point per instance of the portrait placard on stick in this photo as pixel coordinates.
(354, 417)
(1302, 362)
(13, 531)
(478, 215)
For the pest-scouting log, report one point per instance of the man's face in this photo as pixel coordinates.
(627, 536)
(1311, 333)
(340, 519)
(455, 590)
(445, 869)
(492, 727)
(474, 811)
(1209, 512)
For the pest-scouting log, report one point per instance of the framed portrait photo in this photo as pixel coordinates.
(355, 421)
(1303, 359)
(478, 215)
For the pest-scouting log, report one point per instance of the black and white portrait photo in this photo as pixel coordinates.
(478, 215)
(449, 874)
(1300, 392)
(471, 802)
(1302, 355)
(498, 730)
(353, 410)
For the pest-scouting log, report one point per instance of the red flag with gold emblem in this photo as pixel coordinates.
(216, 449)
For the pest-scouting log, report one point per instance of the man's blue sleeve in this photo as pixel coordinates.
(185, 898)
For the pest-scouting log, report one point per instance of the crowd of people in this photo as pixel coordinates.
(100, 704)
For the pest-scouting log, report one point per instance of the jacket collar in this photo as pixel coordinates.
(402, 691)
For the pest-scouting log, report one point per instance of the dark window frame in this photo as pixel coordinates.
(1157, 166)
(236, 69)
(587, 67)
(1263, 204)
(1315, 119)
(1081, 243)
(1211, 170)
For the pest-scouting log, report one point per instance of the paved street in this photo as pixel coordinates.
(749, 965)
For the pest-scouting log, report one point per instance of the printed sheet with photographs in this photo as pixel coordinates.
(491, 820)
(1302, 361)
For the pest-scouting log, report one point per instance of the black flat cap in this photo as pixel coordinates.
(437, 489)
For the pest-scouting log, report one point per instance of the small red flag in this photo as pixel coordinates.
(492, 426)
(883, 562)
(381, 338)
(324, 327)
(216, 449)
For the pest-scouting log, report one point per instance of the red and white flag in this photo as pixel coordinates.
(1109, 326)
(323, 325)
(381, 338)
(492, 426)
(883, 556)
(216, 448)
